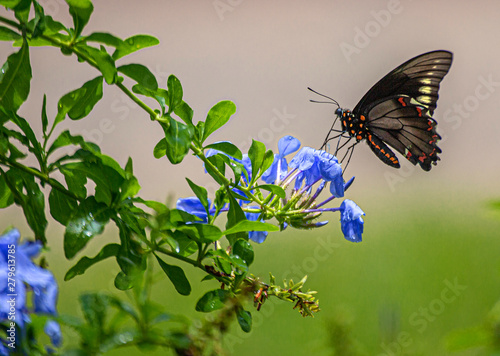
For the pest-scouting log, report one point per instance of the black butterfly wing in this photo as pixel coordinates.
(408, 127)
(399, 108)
(381, 150)
(418, 78)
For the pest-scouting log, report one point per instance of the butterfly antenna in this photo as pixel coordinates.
(332, 101)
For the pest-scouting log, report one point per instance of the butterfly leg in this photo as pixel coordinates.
(349, 151)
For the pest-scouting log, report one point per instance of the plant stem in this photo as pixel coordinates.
(43, 177)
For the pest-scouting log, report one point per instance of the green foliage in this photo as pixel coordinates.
(78, 103)
(15, 78)
(176, 276)
(213, 300)
(217, 117)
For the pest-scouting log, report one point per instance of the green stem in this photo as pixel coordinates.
(180, 257)
(136, 100)
(43, 177)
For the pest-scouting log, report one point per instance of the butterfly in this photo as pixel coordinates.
(397, 112)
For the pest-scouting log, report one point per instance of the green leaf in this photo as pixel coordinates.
(213, 300)
(27, 193)
(218, 115)
(176, 276)
(85, 262)
(37, 24)
(178, 137)
(130, 188)
(15, 77)
(104, 62)
(22, 10)
(75, 182)
(223, 261)
(87, 221)
(234, 216)
(160, 149)
(244, 250)
(53, 27)
(220, 167)
(160, 95)
(36, 148)
(65, 138)
(94, 307)
(107, 179)
(184, 112)
(79, 103)
(181, 243)
(6, 197)
(201, 232)
(247, 225)
(7, 34)
(45, 120)
(131, 257)
(226, 147)
(201, 194)
(278, 191)
(244, 319)
(10, 4)
(61, 206)
(141, 74)
(256, 154)
(80, 10)
(174, 93)
(105, 38)
(133, 44)
(268, 161)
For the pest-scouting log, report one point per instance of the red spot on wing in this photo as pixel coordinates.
(401, 101)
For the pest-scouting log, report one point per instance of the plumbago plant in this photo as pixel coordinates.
(215, 234)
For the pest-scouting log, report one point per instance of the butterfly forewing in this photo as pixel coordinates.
(418, 78)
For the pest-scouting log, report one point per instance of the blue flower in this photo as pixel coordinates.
(351, 221)
(308, 169)
(255, 236)
(314, 165)
(286, 145)
(53, 330)
(28, 276)
(193, 205)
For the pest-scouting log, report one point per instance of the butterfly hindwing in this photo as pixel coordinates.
(383, 152)
(407, 127)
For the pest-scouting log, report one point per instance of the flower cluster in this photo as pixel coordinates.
(308, 173)
(18, 275)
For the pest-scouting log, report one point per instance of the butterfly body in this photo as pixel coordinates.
(397, 112)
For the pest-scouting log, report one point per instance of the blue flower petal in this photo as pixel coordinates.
(256, 236)
(304, 159)
(53, 330)
(287, 144)
(351, 221)
(28, 276)
(193, 205)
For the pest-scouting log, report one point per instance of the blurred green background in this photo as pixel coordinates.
(423, 231)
